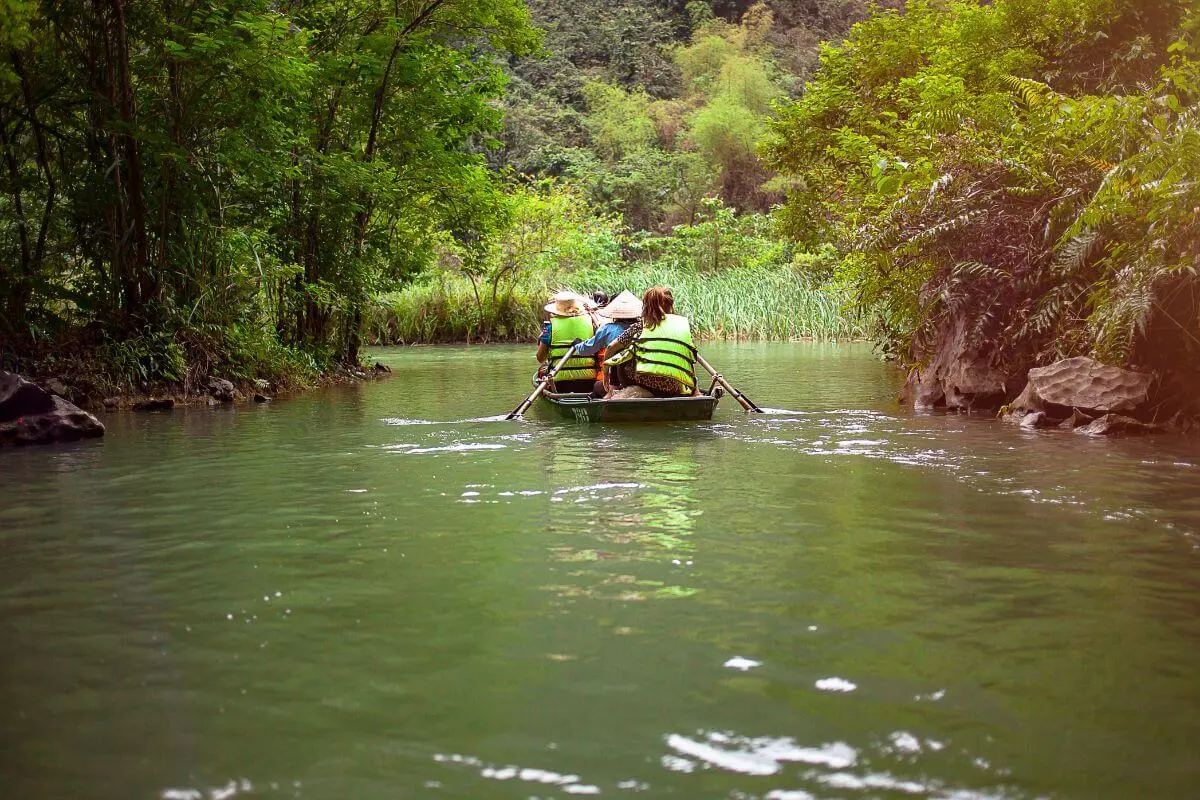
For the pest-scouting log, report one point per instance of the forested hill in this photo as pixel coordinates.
(652, 104)
(247, 188)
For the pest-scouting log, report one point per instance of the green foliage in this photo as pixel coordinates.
(240, 176)
(619, 120)
(1026, 166)
(730, 273)
(655, 105)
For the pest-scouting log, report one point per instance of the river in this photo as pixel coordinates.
(378, 592)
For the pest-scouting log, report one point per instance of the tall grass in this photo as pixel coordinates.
(769, 302)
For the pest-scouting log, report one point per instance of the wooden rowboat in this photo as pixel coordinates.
(585, 408)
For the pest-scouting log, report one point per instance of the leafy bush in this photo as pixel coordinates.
(1029, 167)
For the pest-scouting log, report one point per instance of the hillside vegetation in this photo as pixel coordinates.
(250, 188)
(1011, 182)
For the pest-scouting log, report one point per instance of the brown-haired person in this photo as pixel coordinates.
(656, 352)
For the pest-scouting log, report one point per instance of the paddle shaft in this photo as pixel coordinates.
(746, 402)
(541, 387)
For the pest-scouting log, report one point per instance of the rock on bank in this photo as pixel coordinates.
(31, 415)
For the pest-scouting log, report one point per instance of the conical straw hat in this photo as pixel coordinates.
(566, 304)
(623, 306)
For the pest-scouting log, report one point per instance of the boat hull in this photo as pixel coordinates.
(587, 409)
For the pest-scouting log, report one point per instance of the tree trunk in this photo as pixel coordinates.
(18, 295)
(140, 285)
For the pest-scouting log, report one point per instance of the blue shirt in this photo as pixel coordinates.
(602, 338)
(545, 337)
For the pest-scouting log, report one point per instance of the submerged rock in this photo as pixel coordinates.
(381, 368)
(1084, 383)
(31, 415)
(220, 390)
(261, 398)
(1117, 425)
(1038, 420)
(1076, 420)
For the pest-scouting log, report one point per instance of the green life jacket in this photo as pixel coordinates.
(564, 331)
(667, 349)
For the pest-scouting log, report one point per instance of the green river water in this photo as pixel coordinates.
(377, 592)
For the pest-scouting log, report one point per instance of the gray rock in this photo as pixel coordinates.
(31, 415)
(381, 368)
(261, 398)
(55, 386)
(1038, 420)
(154, 404)
(1084, 383)
(221, 390)
(959, 373)
(1117, 425)
(1076, 420)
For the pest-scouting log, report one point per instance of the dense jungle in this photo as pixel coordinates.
(256, 190)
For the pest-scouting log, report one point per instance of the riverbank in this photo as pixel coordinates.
(162, 371)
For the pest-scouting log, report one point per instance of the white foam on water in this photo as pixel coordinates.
(568, 783)
(788, 794)
(357, 491)
(882, 780)
(737, 662)
(835, 685)
(401, 421)
(760, 756)
(677, 764)
(229, 790)
(599, 487)
(457, 448)
(905, 742)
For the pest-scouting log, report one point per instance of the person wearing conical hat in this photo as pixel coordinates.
(569, 322)
(615, 317)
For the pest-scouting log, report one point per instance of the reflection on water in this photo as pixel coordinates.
(388, 590)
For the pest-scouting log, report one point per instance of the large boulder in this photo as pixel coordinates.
(31, 415)
(959, 374)
(220, 390)
(1117, 425)
(1085, 384)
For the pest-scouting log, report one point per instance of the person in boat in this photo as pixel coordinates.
(569, 323)
(656, 352)
(615, 317)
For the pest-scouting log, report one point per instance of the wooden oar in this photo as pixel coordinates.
(520, 410)
(746, 402)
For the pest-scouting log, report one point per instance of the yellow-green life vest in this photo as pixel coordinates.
(564, 331)
(667, 349)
